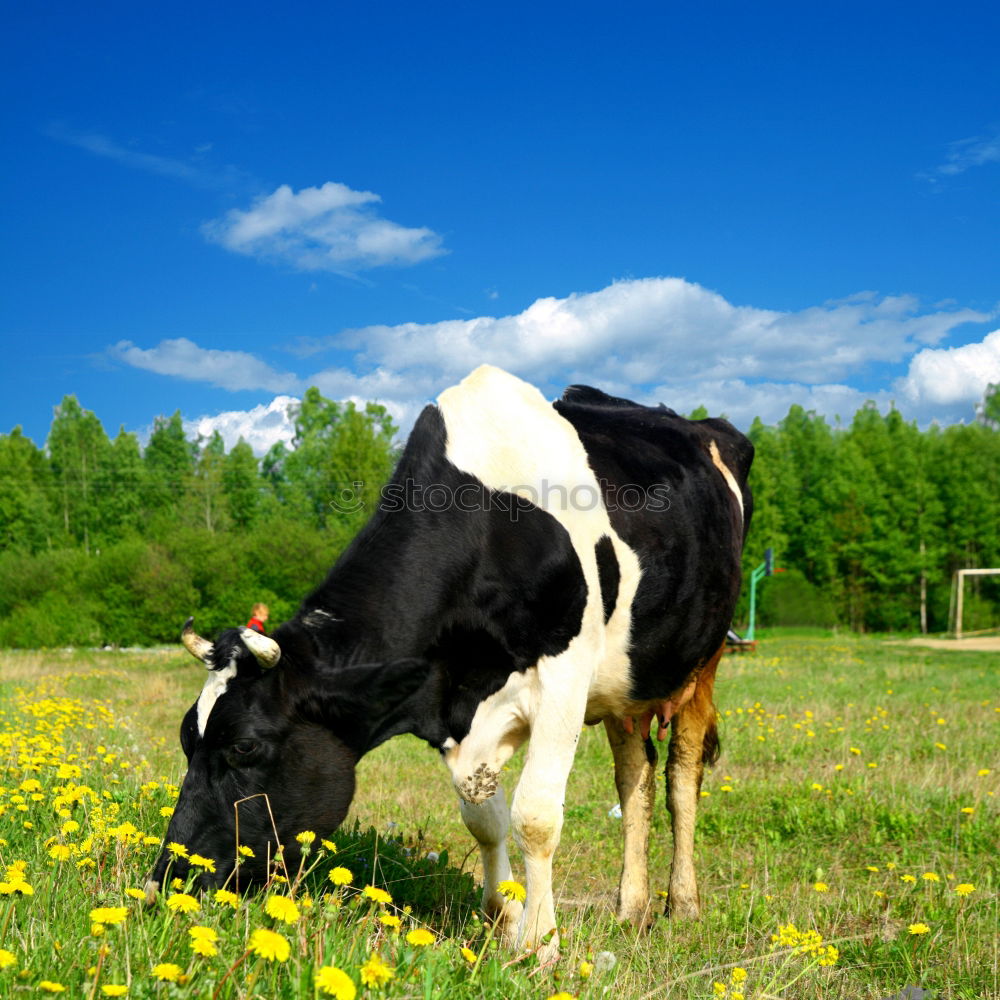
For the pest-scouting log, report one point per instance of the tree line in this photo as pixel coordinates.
(103, 541)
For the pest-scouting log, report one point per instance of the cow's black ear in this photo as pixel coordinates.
(365, 705)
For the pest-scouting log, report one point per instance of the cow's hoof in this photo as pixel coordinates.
(638, 917)
(682, 907)
(506, 917)
(547, 952)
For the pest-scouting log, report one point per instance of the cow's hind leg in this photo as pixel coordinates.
(635, 778)
(693, 743)
(488, 822)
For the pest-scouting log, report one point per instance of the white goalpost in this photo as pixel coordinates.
(957, 597)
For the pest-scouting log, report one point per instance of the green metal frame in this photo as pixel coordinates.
(766, 568)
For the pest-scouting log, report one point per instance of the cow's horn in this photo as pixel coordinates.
(197, 646)
(267, 651)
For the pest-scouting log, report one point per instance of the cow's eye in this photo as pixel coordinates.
(244, 747)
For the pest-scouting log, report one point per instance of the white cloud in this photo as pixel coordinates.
(943, 378)
(195, 170)
(968, 153)
(741, 401)
(261, 427)
(233, 370)
(328, 228)
(653, 339)
(653, 330)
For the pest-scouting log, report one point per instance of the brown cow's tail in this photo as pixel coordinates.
(711, 746)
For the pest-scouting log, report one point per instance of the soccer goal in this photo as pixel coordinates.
(958, 597)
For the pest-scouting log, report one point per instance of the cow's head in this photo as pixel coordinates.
(271, 752)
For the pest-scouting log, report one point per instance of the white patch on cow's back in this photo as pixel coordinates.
(214, 688)
(504, 432)
(713, 450)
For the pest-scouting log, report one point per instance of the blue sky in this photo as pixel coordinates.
(210, 207)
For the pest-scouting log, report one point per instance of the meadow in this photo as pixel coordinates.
(847, 845)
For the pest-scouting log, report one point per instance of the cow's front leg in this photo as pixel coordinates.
(635, 778)
(488, 822)
(693, 741)
(537, 809)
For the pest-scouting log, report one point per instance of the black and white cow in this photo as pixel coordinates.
(532, 567)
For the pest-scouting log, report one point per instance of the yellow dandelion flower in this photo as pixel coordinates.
(377, 895)
(269, 945)
(48, 986)
(561, 995)
(246, 852)
(114, 990)
(512, 890)
(930, 877)
(871, 868)
(738, 975)
(226, 898)
(306, 837)
(375, 972)
(821, 887)
(335, 983)
(199, 861)
(586, 969)
(390, 920)
(177, 850)
(182, 902)
(964, 888)
(968, 810)
(420, 937)
(341, 876)
(908, 878)
(135, 893)
(982, 772)
(109, 914)
(329, 845)
(919, 929)
(203, 941)
(282, 908)
(60, 852)
(167, 972)
(6, 958)
(719, 989)
(470, 956)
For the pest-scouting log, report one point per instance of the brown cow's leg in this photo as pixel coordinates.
(693, 742)
(635, 778)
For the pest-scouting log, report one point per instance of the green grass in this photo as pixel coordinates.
(794, 805)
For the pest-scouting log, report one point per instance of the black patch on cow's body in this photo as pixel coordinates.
(480, 589)
(608, 573)
(688, 534)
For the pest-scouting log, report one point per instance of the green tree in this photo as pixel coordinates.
(26, 488)
(121, 489)
(988, 411)
(242, 484)
(342, 455)
(78, 450)
(208, 479)
(169, 465)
